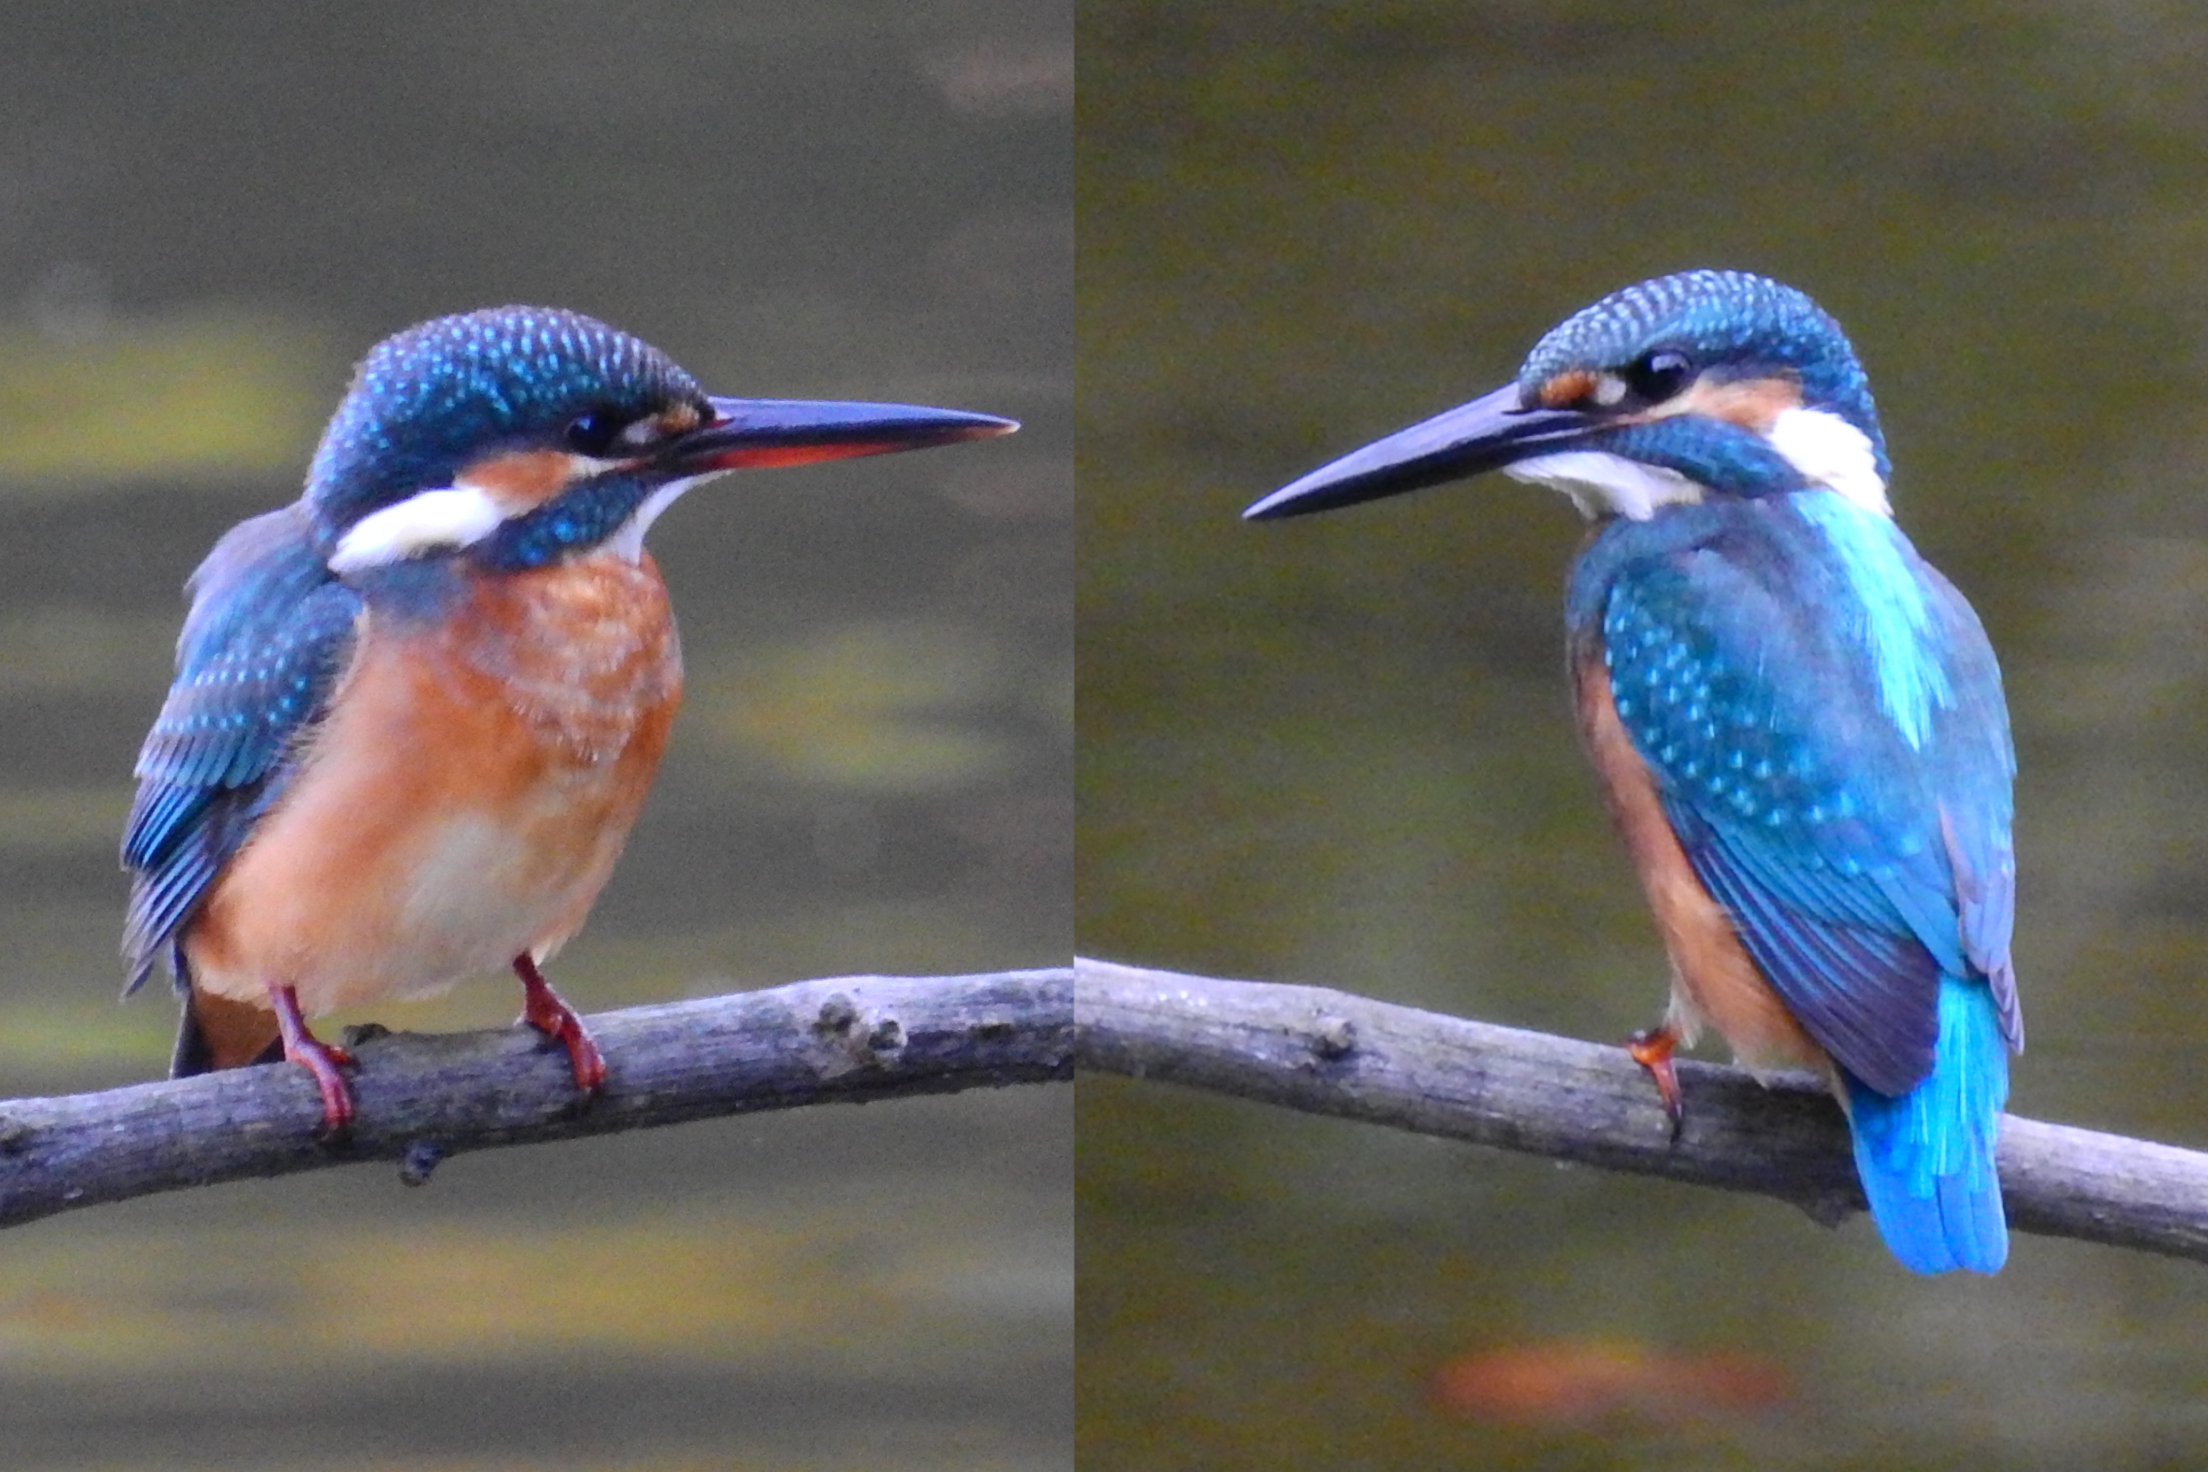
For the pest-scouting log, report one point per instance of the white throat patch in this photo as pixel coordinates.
(1602, 484)
(628, 539)
(1829, 451)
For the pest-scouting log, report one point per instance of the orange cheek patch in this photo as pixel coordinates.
(1575, 386)
(680, 419)
(1751, 403)
(521, 480)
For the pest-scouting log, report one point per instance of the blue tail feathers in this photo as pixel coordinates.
(1927, 1157)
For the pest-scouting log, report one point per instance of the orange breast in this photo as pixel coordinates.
(1714, 980)
(464, 801)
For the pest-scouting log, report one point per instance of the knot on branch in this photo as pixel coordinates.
(421, 1157)
(15, 1135)
(851, 1040)
(363, 1032)
(1333, 1037)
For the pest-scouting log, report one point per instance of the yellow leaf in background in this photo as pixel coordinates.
(44, 1037)
(188, 397)
(827, 1278)
(657, 1284)
(878, 707)
(87, 650)
(47, 820)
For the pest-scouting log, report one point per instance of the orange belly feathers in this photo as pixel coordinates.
(462, 805)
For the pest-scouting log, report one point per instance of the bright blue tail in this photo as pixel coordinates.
(1926, 1157)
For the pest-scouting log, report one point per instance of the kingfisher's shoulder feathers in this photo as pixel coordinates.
(266, 642)
(1833, 597)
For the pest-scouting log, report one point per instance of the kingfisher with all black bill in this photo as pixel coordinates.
(1797, 720)
(417, 710)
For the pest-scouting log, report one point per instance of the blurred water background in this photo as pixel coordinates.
(1340, 750)
(206, 214)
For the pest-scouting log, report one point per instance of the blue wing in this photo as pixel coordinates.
(1852, 816)
(1824, 720)
(270, 631)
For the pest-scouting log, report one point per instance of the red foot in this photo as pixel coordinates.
(316, 1057)
(1652, 1049)
(543, 1010)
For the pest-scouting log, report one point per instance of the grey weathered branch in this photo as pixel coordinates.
(1327, 1052)
(847, 1039)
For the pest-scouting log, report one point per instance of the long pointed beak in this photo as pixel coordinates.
(1490, 432)
(747, 434)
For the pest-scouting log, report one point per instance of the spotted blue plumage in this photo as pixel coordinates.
(269, 631)
(427, 401)
(1818, 709)
(583, 517)
(1731, 324)
(1717, 457)
(1858, 839)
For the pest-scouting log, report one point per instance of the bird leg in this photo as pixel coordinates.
(543, 1010)
(316, 1057)
(1652, 1048)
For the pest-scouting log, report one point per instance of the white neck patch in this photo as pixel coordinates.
(628, 539)
(1826, 449)
(1829, 451)
(1602, 484)
(451, 516)
(461, 515)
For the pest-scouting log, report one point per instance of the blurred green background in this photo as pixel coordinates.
(1340, 751)
(206, 214)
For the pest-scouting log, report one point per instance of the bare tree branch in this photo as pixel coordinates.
(1327, 1052)
(847, 1039)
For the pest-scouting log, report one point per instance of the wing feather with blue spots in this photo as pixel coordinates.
(269, 633)
(1833, 754)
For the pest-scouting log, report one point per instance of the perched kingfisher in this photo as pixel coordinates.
(1798, 722)
(417, 710)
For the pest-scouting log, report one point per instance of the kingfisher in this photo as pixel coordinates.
(416, 711)
(1797, 721)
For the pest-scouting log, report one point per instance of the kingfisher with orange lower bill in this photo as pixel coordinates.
(417, 710)
(1798, 722)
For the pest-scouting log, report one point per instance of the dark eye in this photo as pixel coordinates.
(1659, 375)
(592, 433)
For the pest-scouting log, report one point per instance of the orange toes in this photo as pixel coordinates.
(583, 1056)
(317, 1058)
(543, 1010)
(337, 1095)
(1652, 1049)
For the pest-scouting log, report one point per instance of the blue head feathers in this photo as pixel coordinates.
(425, 402)
(1721, 326)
